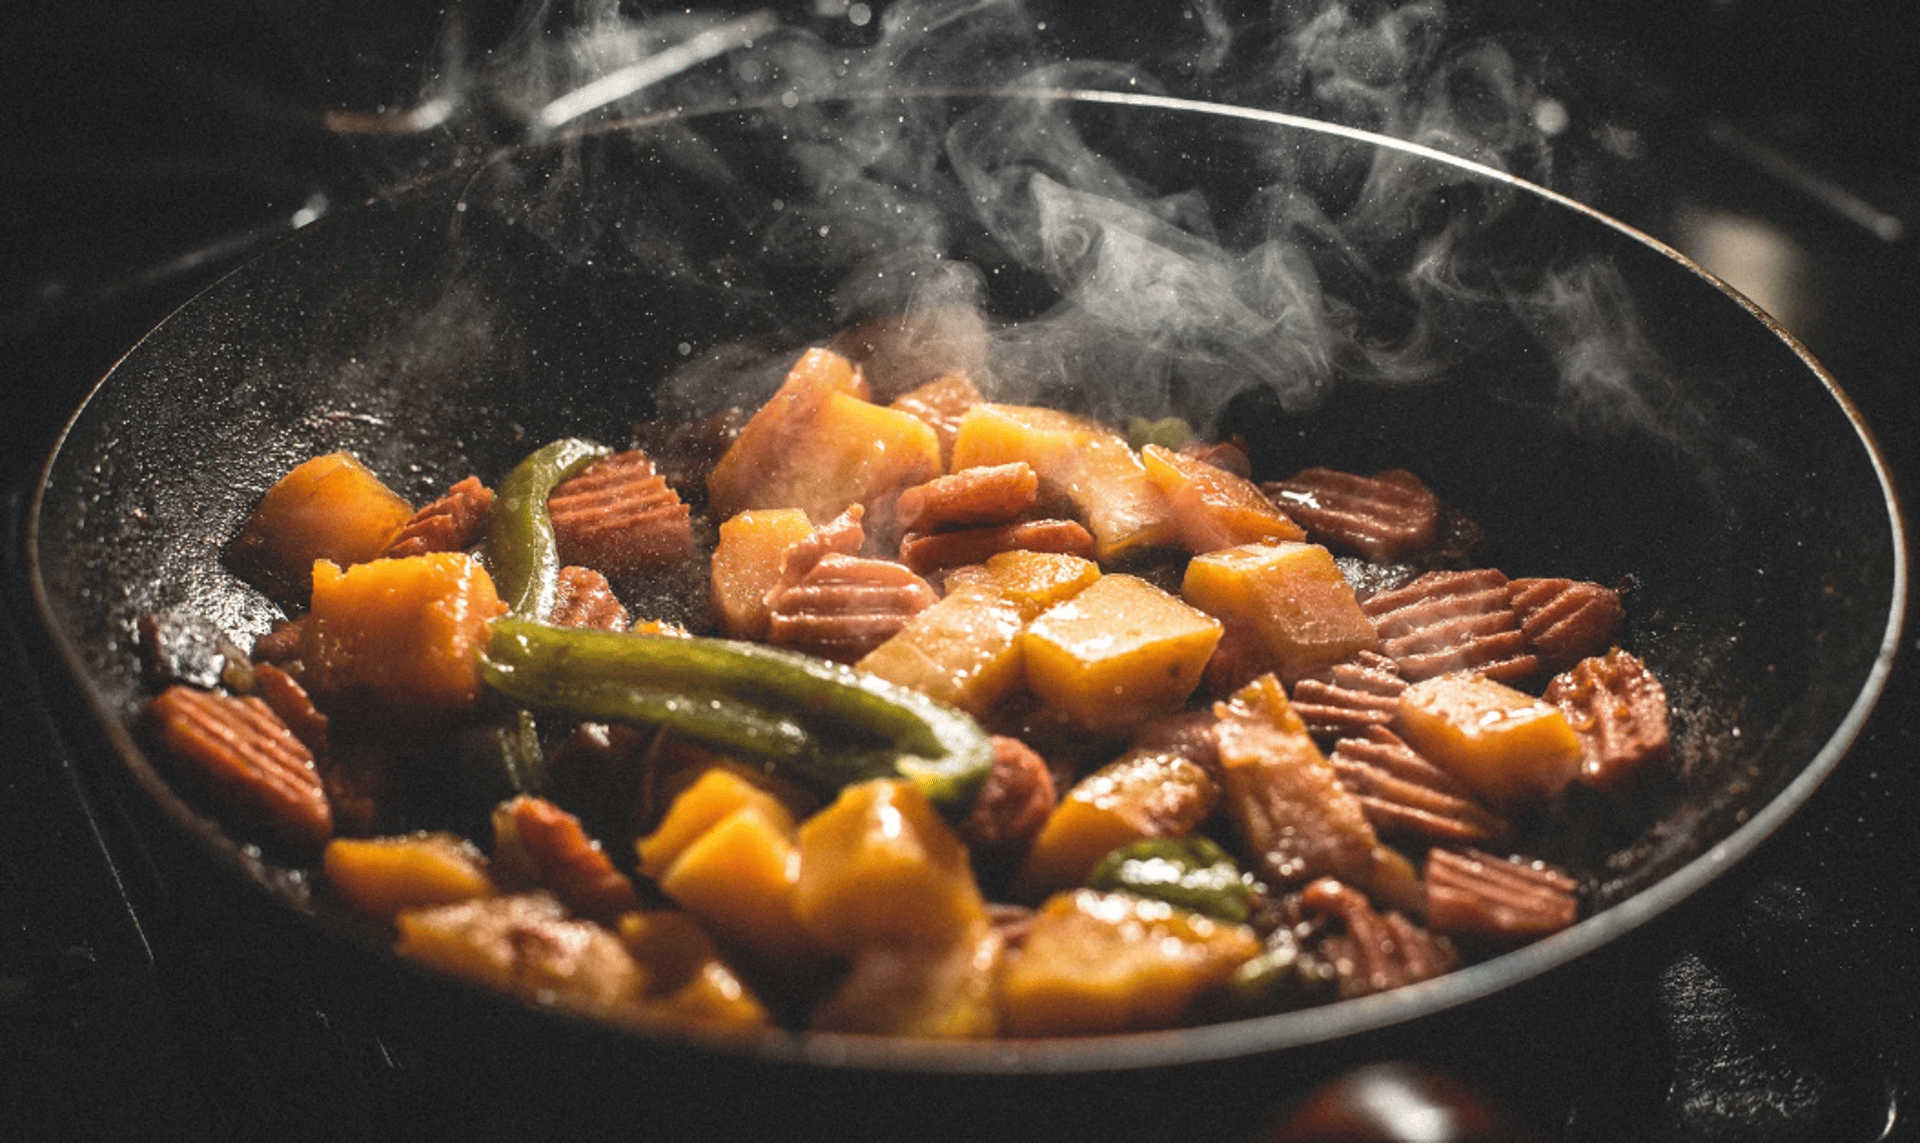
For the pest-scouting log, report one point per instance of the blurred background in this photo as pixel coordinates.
(149, 146)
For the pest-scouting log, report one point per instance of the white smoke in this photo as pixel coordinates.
(1345, 264)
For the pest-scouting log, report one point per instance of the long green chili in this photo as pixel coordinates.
(818, 721)
(521, 555)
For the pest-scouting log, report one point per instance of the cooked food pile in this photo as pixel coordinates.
(994, 720)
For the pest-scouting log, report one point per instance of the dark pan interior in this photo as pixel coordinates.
(1707, 464)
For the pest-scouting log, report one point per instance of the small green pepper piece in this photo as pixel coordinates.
(819, 721)
(521, 555)
(1191, 872)
(1286, 976)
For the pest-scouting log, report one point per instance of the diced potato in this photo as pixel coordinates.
(328, 508)
(381, 876)
(1505, 745)
(686, 979)
(964, 650)
(881, 866)
(1291, 595)
(819, 445)
(1036, 581)
(1099, 963)
(1141, 794)
(747, 562)
(737, 879)
(1084, 460)
(717, 792)
(1292, 816)
(1213, 508)
(526, 945)
(931, 991)
(405, 632)
(1118, 652)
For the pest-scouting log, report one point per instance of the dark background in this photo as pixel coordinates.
(147, 146)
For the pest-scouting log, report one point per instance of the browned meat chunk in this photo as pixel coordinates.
(1507, 902)
(941, 403)
(1361, 692)
(245, 758)
(1618, 710)
(1566, 620)
(992, 494)
(1376, 951)
(1447, 621)
(620, 517)
(926, 554)
(1286, 803)
(537, 845)
(449, 524)
(1405, 795)
(586, 599)
(1382, 517)
(845, 606)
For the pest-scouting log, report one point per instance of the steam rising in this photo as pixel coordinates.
(1349, 264)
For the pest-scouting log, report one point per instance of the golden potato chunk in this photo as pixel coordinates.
(1141, 794)
(1098, 963)
(404, 632)
(1213, 508)
(880, 866)
(1290, 597)
(381, 876)
(328, 508)
(1118, 653)
(963, 650)
(819, 445)
(1505, 745)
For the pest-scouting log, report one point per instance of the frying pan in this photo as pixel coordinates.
(1601, 406)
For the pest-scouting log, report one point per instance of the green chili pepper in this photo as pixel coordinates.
(521, 555)
(1285, 976)
(1191, 872)
(819, 721)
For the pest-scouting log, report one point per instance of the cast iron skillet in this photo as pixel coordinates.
(1663, 434)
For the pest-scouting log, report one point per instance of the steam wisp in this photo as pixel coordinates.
(1350, 263)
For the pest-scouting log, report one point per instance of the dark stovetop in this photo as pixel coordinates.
(126, 1012)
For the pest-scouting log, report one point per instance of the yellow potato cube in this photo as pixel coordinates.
(747, 562)
(404, 632)
(1100, 963)
(380, 876)
(964, 650)
(1141, 794)
(1117, 653)
(737, 880)
(717, 792)
(1505, 745)
(881, 866)
(1213, 508)
(1084, 460)
(819, 445)
(1290, 596)
(1035, 581)
(328, 508)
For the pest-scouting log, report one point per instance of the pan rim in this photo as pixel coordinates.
(1250, 1036)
